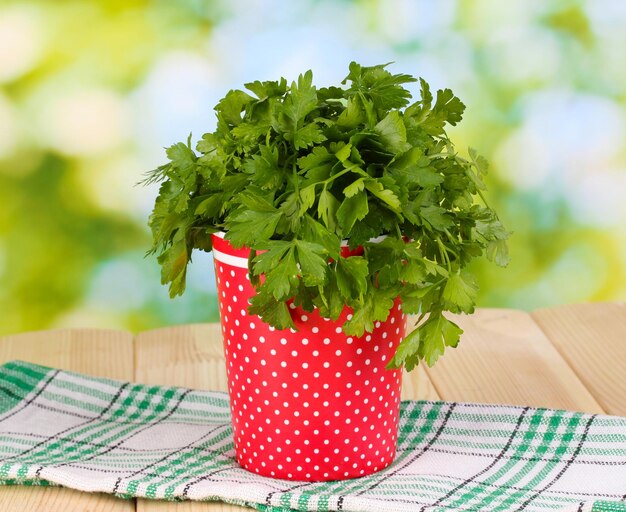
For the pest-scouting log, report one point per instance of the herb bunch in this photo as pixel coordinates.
(292, 170)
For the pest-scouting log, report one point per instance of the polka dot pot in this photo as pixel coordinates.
(312, 404)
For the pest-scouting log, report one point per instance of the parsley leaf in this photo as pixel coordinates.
(313, 262)
(327, 209)
(352, 209)
(459, 293)
(272, 311)
(352, 276)
(392, 132)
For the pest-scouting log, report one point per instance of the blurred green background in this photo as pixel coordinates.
(91, 92)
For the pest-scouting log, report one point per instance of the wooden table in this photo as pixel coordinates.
(571, 357)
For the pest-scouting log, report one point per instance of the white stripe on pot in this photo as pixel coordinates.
(234, 261)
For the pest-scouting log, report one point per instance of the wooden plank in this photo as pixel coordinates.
(592, 339)
(188, 355)
(417, 386)
(56, 499)
(191, 356)
(188, 506)
(95, 352)
(504, 357)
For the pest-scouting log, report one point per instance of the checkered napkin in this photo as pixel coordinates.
(62, 428)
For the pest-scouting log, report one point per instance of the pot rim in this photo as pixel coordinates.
(344, 243)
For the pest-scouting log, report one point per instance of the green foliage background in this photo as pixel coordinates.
(90, 93)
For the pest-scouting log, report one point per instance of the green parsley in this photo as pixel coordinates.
(292, 170)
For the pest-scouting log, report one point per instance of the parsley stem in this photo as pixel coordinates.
(420, 318)
(296, 179)
(436, 155)
(340, 173)
(444, 254)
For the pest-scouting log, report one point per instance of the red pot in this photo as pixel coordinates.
(312, 404)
